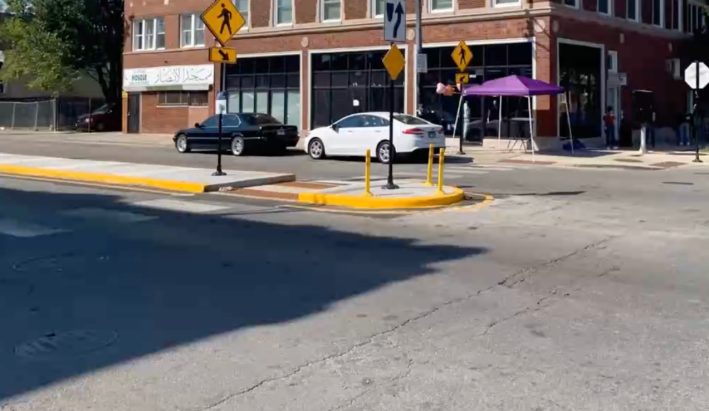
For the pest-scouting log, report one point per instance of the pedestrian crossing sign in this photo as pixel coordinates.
(223, 20)
(462, 55)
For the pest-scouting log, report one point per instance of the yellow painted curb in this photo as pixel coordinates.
(103, 178)
(366, 202)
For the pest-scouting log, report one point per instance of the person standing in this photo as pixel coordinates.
(609, 122)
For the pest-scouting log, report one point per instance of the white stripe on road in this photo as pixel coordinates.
(105, 215)
(17, 228)
(176, 205)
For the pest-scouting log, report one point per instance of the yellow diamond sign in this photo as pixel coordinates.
(223, 20)
(394, 62)
(462, 55)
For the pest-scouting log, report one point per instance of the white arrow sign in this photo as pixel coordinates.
(395, 21)
(690, 75)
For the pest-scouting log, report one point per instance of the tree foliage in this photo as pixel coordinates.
(53, 42)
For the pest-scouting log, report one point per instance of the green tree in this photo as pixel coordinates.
(54, 42)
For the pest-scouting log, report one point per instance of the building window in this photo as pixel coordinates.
(481, 114)
(268, 85)
(658, 12)
(580, 74)
(508, 2)
(441, 5)
(183, 98)
(284, 11)
(378, 8)
(696, 18)
(633, 9)
(331, 10)
(612, 62)
(348, 83)
(243, 7)
(571, 3)
(604, 7)
(148, 34)
(192, 31)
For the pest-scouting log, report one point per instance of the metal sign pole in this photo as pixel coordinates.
(697, 127)
(219, 171)
(392, 154)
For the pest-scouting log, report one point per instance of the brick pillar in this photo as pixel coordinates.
(546, 71)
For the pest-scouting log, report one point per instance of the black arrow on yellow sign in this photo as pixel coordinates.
(222, 55)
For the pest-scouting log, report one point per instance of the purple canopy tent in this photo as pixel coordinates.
(516, 86)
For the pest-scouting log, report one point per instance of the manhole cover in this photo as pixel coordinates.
(66, 344)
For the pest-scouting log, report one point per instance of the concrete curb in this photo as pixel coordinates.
(453, 196)
(113, 179)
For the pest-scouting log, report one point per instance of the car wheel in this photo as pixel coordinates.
(238, 146)
(384, 155)
(316, 149)
(181, 144)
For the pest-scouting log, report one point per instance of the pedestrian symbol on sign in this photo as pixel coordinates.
(226, 20)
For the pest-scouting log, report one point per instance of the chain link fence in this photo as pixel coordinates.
(46, 115)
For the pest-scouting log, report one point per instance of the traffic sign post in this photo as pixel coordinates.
(223, 20)
(462, 56)
(394, 63)
(395, 21)
(697, 77)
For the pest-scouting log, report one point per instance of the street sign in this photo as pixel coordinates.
(422, 63)
(394, 21)
(462, 78)
(223, 20)
(462, 55)
(690, 75)
(222, 55)
(394, 62)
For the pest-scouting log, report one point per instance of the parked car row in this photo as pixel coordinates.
(350, 136)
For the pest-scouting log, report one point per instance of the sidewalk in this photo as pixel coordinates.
(585, 158)
(191, 180)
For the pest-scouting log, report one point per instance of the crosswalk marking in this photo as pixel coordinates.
(106, 215)
(184, 206)
(23, 229)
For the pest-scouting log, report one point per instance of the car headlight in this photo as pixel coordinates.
(88, 120)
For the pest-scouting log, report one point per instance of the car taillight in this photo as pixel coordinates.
(413, 131)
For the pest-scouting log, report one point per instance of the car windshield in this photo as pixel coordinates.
(102, 110)
(410, 120)
(258, 119)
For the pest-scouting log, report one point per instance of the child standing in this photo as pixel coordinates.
(609, 121)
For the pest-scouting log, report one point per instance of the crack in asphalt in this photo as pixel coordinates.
(505, 282)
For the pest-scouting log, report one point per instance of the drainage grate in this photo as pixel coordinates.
(678, 183)
(55, 346)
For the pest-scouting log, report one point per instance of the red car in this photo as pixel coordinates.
(104, 118)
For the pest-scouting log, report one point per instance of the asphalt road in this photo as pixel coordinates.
(573, 290)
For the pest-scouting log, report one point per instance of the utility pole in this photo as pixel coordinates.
(419, 52)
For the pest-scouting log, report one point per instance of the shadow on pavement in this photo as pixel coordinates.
(141, 287)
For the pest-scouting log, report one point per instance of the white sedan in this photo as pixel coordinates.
(354, 134)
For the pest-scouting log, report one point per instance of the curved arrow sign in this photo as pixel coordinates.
(395, 21)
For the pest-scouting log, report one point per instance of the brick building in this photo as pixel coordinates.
(309, 62)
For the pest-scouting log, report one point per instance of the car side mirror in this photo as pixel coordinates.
(197, 125)
(335, 127)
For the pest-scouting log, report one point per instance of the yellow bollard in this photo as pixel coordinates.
(368, 175)
(441, 158)
(429, 173)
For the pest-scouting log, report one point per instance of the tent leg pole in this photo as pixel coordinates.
(457, 115)
(531, 129)
(568, 122)
(499, 125)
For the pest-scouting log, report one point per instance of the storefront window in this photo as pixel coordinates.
(269, 85)
(481, 114)
(347, 83)
(580, 76)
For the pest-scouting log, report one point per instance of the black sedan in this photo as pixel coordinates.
(240, 133)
